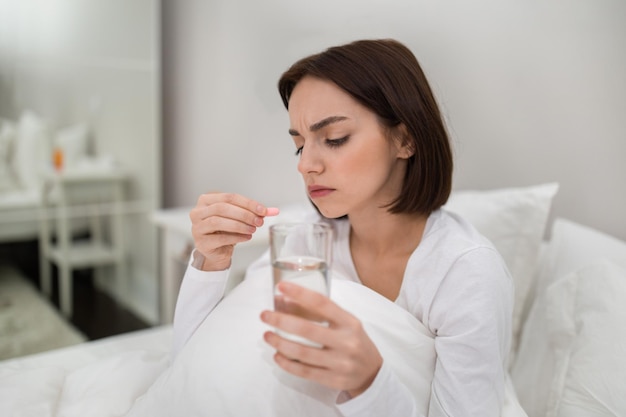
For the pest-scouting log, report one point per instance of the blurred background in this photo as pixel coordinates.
(179, 98)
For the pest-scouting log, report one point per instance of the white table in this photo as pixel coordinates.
(87, 195)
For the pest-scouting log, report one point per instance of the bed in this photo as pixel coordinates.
(568, 356)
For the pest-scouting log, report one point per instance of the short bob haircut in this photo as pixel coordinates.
(385, 77)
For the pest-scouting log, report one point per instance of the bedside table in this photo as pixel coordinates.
(96, 197)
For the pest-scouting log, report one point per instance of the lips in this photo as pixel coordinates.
(318, 191)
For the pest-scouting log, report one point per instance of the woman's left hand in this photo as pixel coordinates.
(349, 360)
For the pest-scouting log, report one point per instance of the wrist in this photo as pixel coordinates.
(352, 393)
(202, 263)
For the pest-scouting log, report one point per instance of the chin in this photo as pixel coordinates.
(329, 213)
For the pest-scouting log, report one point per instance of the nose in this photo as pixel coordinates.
(310, 160)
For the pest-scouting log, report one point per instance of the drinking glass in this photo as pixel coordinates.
(300, 253)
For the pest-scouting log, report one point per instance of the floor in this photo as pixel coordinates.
(96, 314)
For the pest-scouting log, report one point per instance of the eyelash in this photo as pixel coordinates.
(332, 143)
(335, 143)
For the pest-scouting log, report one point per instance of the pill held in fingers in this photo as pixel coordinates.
(272, 211)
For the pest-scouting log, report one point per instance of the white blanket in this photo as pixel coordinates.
(104, 388)
(227, 370)
(224, 370)
(99, 378)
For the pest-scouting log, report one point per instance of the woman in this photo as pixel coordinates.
(376, 159)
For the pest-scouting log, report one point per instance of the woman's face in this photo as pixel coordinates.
(347, 162)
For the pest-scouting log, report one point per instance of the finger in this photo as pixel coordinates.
(302, 355)
(316, 332)
(207, 245)
(286, 305)
(218, 224)
(234, 200)
(300, 368)
(321, 375)
(336, 367)
(225, 210)
(316, 303)
(312, 355)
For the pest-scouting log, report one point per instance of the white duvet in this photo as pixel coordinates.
(105, 387)
(233, 372)
(225, 369)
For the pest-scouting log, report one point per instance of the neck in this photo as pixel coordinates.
(384, 233)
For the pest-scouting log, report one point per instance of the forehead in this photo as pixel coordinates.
(314, 99)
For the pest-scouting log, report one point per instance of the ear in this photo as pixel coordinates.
(403, 141)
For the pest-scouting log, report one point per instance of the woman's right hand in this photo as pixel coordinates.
(221, 220)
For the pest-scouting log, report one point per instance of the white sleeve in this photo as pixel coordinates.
(471, 317)
(387, 396)
(199, 293)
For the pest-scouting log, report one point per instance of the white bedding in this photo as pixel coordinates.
(225, 370)
(100, 378)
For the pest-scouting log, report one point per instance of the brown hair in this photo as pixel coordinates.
(384, 76)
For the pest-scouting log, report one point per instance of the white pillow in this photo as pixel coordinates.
(572, 246)
(514, 220)
(532, 369)
(73, 142)
(32, 149)
(586, 315)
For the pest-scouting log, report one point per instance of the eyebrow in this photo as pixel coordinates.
(320, 125)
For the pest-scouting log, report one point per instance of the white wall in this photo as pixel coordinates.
(74, 61)
(533, 92)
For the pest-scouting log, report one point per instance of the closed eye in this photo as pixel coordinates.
(334, 143)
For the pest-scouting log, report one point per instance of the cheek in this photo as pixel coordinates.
(367, 162)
